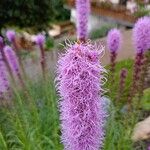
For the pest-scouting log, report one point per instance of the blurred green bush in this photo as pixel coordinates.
(25, 13)
(101, 32)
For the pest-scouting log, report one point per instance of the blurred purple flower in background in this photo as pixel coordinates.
(83, 11)
(12, 59)
(1, 43)
(114, 40)
(80, 79)
(10, 34)
(141, 35)
(141, 39)
(4, 82)
(40, 39)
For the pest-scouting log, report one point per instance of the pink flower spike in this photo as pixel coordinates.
(40, 39)
(4, 82)
(83, 11)
(79, 83)
(141, 35)
(1, 43)
(12, 60)
(114, 40)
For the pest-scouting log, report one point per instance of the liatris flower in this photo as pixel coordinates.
(4, 82)
(123, 75)
(80, 78)
(141, 35)
(113, 44)
(1, 43)
(148, 147)
(40, 40)
(141, 38)
(83, 11)
(114, 40)
(11, 35)
(2, 56)
(12, 60)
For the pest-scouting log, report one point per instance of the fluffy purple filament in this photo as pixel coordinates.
(10, 34)
(83, 11)
(114, 40)
(141, 35)
(40, 39)
(12, 60)
(79, 83)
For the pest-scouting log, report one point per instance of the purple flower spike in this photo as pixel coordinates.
(40, 40)
(123, 75)
(79, 84)
(141, 35)
(4, 83)
(1, 43)
(114, 40)
(83, 11)
(10, 34)
(12, 60)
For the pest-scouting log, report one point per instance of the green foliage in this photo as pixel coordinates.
(145, 101)
(113, 88)
(49, 43)
(120, 125)
(32, 122)
(142, 12)
(25, 13)
(102, 32)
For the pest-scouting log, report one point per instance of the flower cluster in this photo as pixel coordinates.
(40, 39)
(113, 43)
(10, 34)
(83, 10)
(114, 40)
(12, 60)
(4, 83)
(79, 83)
(141, 38)
(141, 35)
(1, 43)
